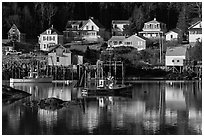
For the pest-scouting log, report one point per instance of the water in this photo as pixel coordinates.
(152, 108)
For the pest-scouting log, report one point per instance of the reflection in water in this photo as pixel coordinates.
(153, 108)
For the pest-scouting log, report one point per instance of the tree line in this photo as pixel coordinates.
(33, 18)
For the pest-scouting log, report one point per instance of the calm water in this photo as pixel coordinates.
(152, 108)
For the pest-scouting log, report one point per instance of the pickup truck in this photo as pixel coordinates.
(13, 52)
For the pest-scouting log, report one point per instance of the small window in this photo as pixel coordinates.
(92, 27)
(87, 27)
(57, 59)
(44, 38)
(53, 38)
(171, 36)
(172, 60)
(44, 46)
(177, 60)
(120, 42)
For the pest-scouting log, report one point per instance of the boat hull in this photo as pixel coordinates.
(107, 91)
(33, 80)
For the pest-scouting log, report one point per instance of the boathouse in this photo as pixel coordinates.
(175, 58)
(61, 56)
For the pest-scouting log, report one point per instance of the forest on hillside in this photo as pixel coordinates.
(33, 18)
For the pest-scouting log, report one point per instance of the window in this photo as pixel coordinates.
(57, 59)
(44, 46)
(44, 38)
(172, 60)
(177, 60)
(115, 42)
(171, 36)
(115, 26)
(53, 38)
(92, 27)
(120, 42)
(47, 38)
(87, 27)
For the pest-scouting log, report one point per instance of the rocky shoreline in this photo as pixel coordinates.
(51, 103)
(10, 95)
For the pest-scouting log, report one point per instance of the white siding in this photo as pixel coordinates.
(171, 36)
(64, 61)
(47, 42)
(90, 24)
(194, 37)
(174, 60)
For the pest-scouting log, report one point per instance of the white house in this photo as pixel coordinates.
(118, 27)
(116, 41)
(135, 41)
(172, 34)
(175, 57)
(61, 56)
(89, 30)
(195, 32)
(48, 38)
(153, 29)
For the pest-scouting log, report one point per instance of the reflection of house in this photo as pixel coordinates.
(116, 41)
(61, 56)
(195, 32)
(48, 38)
(135, 41)
(153, 29)
(118, 27)
(175, 57)
(174, 98)
(172, 34)
(15, 35)
(89, 30)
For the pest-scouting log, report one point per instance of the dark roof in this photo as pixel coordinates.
(176, 51)
(97, 23)
(177, 30)
(76, 22)
(195, 23)
(120, 22)
(53, 31)
(117, 38)
(55, 47)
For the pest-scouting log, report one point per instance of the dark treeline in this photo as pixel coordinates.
(33, 18)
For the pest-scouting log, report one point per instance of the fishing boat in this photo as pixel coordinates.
(33, 77)
(104, 84)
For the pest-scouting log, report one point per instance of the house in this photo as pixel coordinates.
(175, 57)
(136, 41)
(15, 35)
(116, 41)
(153, 29)
(88, 30)
(61, 56)
(48, 38)
(173, 34)
(195, 32)
(118, 27)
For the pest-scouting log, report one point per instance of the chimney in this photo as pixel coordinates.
(91, 18)
(154, 18)
(135, 34)
(52, 27)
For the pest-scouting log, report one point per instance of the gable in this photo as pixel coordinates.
(197, 25)
(90, 23)
(134, 37)
(171, 33)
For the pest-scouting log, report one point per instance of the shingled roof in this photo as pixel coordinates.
(176, 51)
(53, 31)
